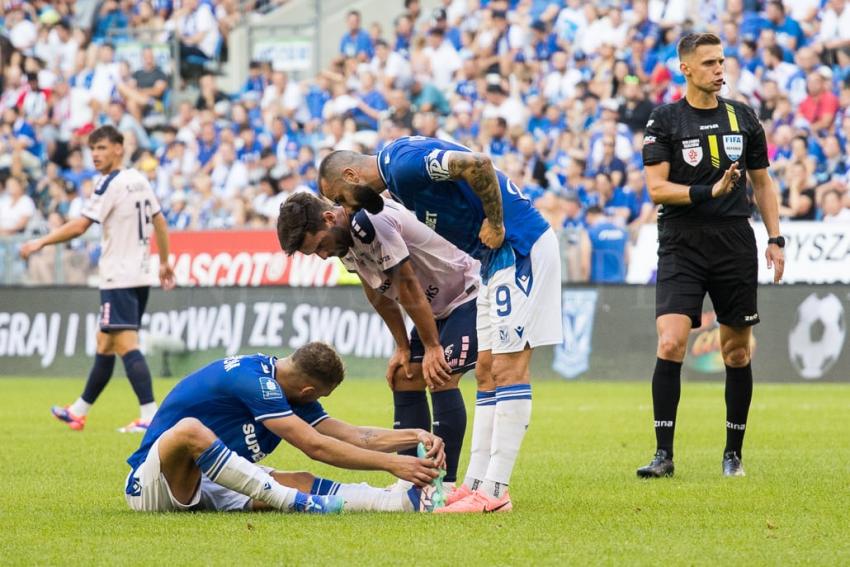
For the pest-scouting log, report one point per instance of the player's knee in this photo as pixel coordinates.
(484, 372)
(192, 433)
(737, 357)
(504, 373)
(404, 383)
(671, 348)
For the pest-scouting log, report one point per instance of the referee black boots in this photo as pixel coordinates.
(732, 465)
(661, 465)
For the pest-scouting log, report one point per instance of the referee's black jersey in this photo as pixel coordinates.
(700, 145)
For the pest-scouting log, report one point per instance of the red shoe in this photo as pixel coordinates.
(478, 502)
(64, 415)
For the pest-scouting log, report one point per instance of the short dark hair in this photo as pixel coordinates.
(299, 215)
(336, 161)
(320, 363)
(108, 133)
(776, 51)
(689, 43)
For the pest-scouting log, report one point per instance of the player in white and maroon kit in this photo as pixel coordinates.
(125, 205)
(401, 262)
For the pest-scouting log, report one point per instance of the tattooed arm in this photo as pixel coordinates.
(477, 170)
(379, 439)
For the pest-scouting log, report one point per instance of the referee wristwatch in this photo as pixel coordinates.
(778, 240)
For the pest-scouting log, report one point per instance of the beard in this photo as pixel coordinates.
(367, 199)
(342, 241)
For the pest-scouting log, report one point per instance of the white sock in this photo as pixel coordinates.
(147, 411)
(80, 408)
(482, 434)
(364, 498)
(224, 467)
(513, 414)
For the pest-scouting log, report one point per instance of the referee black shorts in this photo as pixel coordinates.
(720, 258)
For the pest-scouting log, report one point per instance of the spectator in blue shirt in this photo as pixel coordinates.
(77, 172)
(789, 34)
(499, 144)
(403, 34)
(604, 249)
(356, 43)
(256, 81)
(371, 104)
(544, 43)
(177, 217)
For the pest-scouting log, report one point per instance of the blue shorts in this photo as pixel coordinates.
(122, 309)
(458, 338)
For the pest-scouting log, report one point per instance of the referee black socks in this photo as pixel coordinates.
(666, 389)
(739, 394)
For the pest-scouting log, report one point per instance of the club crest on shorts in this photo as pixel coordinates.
(733, 144)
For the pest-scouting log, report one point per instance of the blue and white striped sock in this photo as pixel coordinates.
(324, 487)
(513, 414)
(224, 467)
(482, 435)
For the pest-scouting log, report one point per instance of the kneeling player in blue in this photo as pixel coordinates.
(401, 262)
(201, 448)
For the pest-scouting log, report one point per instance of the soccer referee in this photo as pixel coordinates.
(697, 153)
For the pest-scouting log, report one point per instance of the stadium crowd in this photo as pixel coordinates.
(557, 92)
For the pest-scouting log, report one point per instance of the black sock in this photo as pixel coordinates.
(666, 388)
(450, 425)
(139, 376)
(411, 411)
(99, 376)
(739, 394)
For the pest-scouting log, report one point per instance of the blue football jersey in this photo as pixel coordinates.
(415, 170)
(233, 397)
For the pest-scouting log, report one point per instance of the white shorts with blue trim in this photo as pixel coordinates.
(146, 490)
(520, 305)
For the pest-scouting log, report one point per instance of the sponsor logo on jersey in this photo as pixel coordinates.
(270, 389)
(647, 140)
(690, 143)
(709, 126)
(733, 144)
(692, 156)
(251, 442)
(438, 169)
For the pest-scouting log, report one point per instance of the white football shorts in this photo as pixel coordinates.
(147, 490)
(521, 305)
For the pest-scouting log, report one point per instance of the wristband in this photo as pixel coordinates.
(699, 193)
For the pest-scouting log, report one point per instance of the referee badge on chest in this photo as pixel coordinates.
(692, 152)
(733, 144)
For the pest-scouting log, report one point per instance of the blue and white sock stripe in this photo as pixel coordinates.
(213, 459)
(514, 392)
(487, 398)
(324, 487)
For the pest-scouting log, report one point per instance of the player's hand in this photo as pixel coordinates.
(776, 260)
(166, 277)
(30, 247)
(399, 359)
(435, 370)
(491, 235)
(435, 446)
(413, 469)
(727, 182)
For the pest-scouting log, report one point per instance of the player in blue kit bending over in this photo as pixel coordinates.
(202, 445)
(460, 195)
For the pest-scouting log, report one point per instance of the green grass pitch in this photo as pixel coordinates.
(576, 498)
